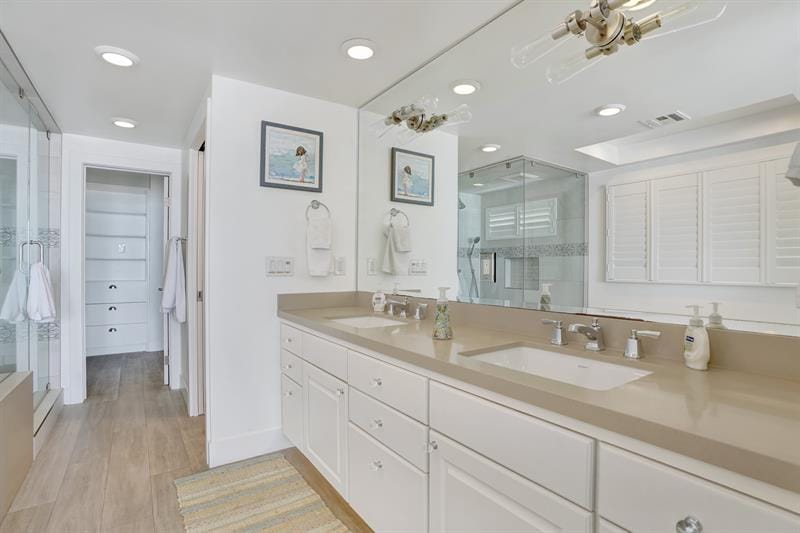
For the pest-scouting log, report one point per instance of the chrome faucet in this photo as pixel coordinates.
(393, 305)
(557, 334)
(633, 348)
(594, 333)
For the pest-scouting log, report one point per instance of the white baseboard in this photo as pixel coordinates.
(245, 446)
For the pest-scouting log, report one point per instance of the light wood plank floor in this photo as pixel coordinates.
(110, 462)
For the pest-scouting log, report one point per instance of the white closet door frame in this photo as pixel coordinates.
(165, 227)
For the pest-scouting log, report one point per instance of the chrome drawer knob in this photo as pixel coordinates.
(432, 446)
(376, 465)
(340, 392)
(289, 366)
(377, 382)
(289, 393)
(112, 330)
(689, 524)
(377, 423)
(112, 308)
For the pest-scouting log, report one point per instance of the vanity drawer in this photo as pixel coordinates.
(673, 495)
(386, 491)
(402, 434)
(116, 335)
(113, 313)
(326, 355)
(292, 366)
(115, 291)
(292, 411)
(405, 391)
(291, 339)
(549, 455)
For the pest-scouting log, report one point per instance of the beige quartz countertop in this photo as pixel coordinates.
(742, 422)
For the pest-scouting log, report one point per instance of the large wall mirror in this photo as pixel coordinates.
(519, 173)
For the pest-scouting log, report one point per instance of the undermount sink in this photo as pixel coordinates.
(579, 371)
(367, 321)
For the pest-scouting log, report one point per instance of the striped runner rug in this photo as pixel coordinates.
(261, 494)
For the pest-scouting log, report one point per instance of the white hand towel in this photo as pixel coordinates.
(394, 261)
(14, 304)
(173, 299)
(41, 306)
(319, 233)
(402, 238)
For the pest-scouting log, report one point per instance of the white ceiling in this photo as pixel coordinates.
(750, 55)
(290, 45)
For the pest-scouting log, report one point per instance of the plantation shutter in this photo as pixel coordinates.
(676, 228)
(783, 207)
(733, 224)
(501, 222)
(537, 218)
(627, 232)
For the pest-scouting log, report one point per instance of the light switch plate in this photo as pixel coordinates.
(417, 267)
(339, 266)
(371, 268)
(280, 266)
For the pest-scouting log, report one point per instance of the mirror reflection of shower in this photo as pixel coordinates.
(473, 284)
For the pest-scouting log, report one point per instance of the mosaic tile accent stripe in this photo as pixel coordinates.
(568, 249)
(50, 237)
(9, 333)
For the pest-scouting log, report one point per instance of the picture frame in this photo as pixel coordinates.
(412, 177)
(291, 157)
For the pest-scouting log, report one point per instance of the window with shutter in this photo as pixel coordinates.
(676, 229)
(627, 235)
(784, 234)
(501, 222)
(536, 218)
(733, 224)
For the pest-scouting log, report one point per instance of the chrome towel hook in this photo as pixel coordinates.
(21, 249)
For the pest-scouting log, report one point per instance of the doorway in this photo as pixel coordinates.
(126, 221)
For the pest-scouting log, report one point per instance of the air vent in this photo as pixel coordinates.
(663, 120)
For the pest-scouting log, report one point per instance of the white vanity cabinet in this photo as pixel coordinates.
(471, 493)
(325, 424)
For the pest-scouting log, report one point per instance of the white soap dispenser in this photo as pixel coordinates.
(696, 349)
(715, 319)
(379, 301)
(545, 299)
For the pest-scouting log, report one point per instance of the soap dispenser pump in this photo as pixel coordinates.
(441, 325)
(545, 299)
(715, 318)
(696, 349)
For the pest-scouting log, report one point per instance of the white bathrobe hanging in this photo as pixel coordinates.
(173, 298)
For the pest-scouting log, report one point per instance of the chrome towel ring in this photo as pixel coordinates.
(316, 204)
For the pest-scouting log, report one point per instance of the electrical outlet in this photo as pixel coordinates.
(371, 268)
(339, 266)
(417, 267)
(280, 266)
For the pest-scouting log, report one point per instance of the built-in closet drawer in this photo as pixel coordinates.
(116, 247)
(604, 526)
(108, 224)
(291, 339)
(405, 391)
(292, 411)
(292, 366)
(118, 335)
(116, 313)
(115, 291)
(399, 432)
(672, 495)
(116, 202)
(385, 490)
(112, 269)
(554, 457)
(326, 355)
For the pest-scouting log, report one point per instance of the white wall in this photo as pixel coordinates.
(247, 223)
(80, 151)
(434, 230)
(666, 302)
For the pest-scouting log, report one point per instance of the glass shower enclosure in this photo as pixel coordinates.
(30, 171)
(522, 235)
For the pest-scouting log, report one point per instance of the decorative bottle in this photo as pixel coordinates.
(441, 325)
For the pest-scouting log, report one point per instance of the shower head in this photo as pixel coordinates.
(475, 240)
(472, 242)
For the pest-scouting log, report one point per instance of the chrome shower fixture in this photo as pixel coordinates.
(606, 26)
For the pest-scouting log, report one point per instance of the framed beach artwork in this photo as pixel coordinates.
(412, 177)
(291, 158)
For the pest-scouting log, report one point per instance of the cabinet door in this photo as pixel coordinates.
(292, 411)
(325, 424)
(471, 493)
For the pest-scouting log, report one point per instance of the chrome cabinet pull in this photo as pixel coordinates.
(377, 423)
(376, 465)
(689, 524)
(340, 392)
(288, 393)
(432, 446)
(377, 382)
(112, 330)
(112, 308)
(112, 286)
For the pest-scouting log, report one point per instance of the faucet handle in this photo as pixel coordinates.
(556, 323)
(636, 333)
(595, 322)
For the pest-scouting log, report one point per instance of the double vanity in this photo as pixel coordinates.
(498, 430)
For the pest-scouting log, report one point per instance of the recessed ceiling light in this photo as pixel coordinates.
(477, 184)
(489, 148)
(609, 110)
(359, 49)
(122, 122)
(465, 87)
(117, 56)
